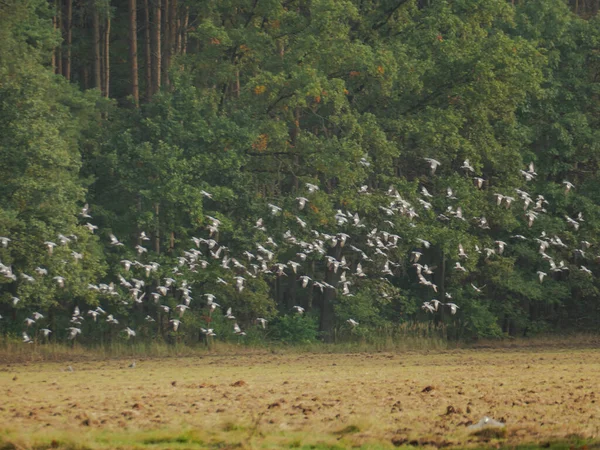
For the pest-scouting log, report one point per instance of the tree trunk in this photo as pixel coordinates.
(107, 57)
(69, 40)
(178, 37)
(184, 30)
(85, 78)
(311, 290)
(148, 48)
(329, 295)
(157, 229)
(440, 281)
(278, 291)
(173, 30)
(294, 140)
(135, 93)
(59, 25)
(292, 289)
(156, 54)
(166, 46)
(96, 46)
(53, 60)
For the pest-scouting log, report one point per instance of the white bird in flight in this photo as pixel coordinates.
(541, 275)
(433, 164)
(312, 188)
(467, 166)
(301, 202)
(477, 289)
(453, 307)
(274, 209)
(568, 186)
(129, 332)
(114, 241)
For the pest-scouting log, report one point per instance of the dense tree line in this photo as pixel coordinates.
(385, 161)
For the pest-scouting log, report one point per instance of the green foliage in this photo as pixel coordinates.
(42, 118)
(480, 322)
(295, 329)
(349, 96)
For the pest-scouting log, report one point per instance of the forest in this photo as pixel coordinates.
(293, 170)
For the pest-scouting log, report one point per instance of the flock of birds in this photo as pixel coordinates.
(376, 251)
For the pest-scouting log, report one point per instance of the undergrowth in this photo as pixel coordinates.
(405, 338)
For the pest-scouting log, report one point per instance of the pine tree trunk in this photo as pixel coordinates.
(148, 47)
(107, 58)
(96, 46)
(156, 54)
(59, 25)
(292, 289)
(53, 60)
(85, 78)
(69, 39)
(84, 63)
(311, 291)
(135, 93)
(166, 34)
(328, 296)
(157, 230)
(178, 37)
(439, 278)
(174, 27)
(184, 31)
(278, 290)
(294, 140)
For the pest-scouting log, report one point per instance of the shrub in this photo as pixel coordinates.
(295, 329)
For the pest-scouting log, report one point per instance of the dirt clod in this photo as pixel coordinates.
(452, 410)
(398, 441)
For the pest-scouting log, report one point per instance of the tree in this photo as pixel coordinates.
(42, 117)
(133, 51)
(292, 160)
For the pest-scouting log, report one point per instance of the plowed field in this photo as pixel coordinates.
(378, 400)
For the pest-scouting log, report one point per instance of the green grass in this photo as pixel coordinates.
(569, 444)
(160, 440)
(192, 440)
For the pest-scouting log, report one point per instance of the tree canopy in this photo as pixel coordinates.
(317, 168)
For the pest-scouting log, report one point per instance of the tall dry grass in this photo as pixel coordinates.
(406, 337)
